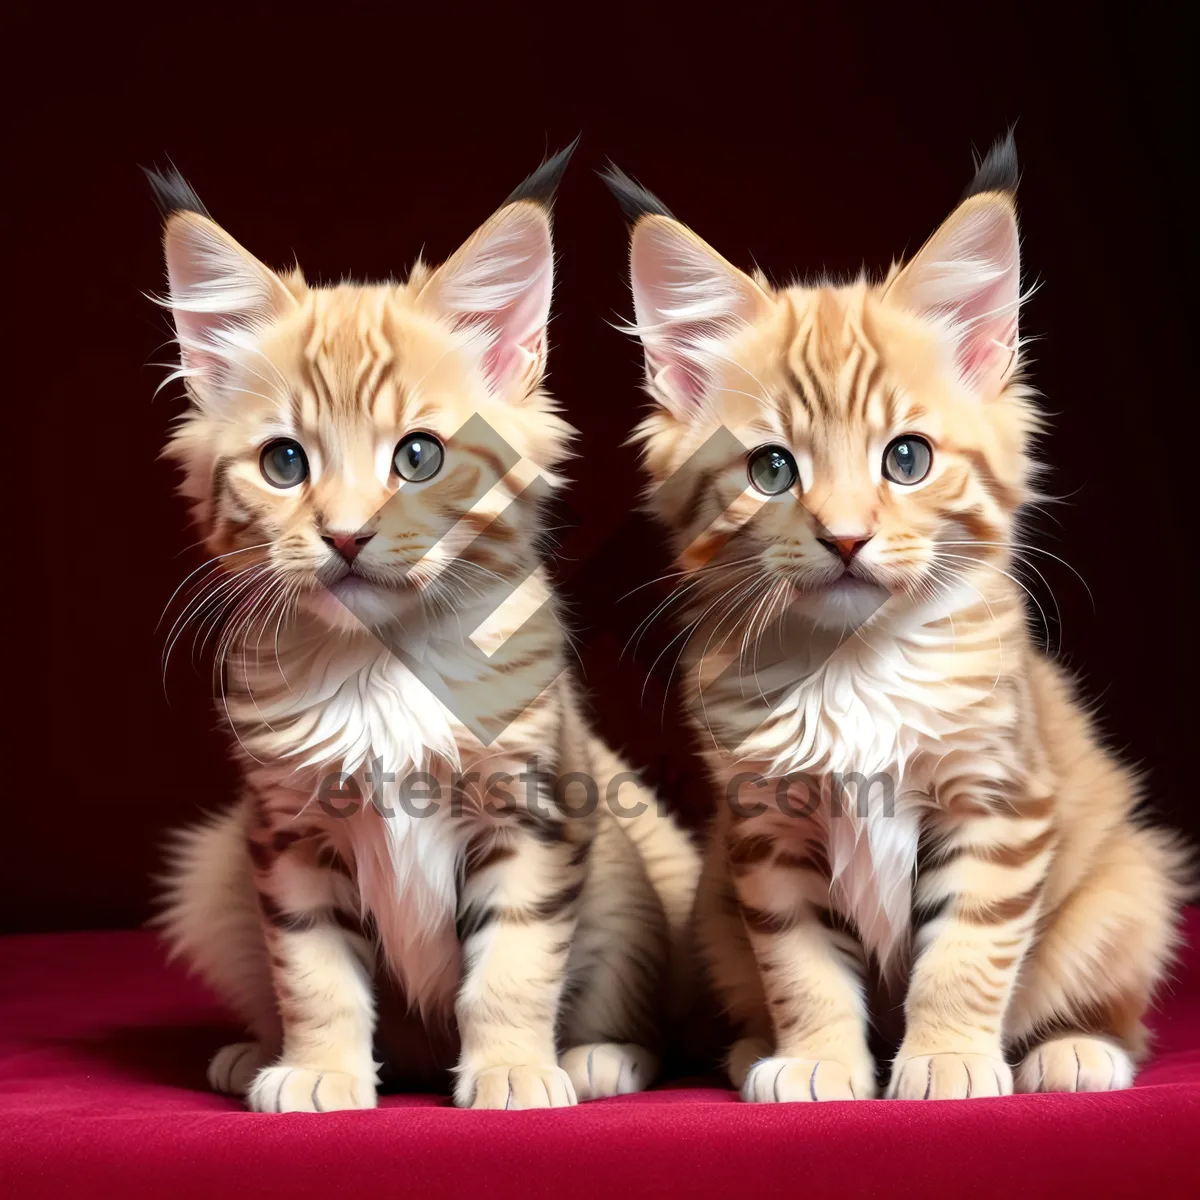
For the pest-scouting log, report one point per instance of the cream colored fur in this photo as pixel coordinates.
(538, 940)
(858, 621)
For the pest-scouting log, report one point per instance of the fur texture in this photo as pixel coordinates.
(389, 642)
(905, 782)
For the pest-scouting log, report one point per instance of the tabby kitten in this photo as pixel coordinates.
(906, 783)
(367, 466)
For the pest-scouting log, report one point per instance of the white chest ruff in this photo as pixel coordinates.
(407, 871)
(366, 715)
(864, 718)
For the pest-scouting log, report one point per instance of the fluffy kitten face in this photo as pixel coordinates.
(340, 440)
(864, 444)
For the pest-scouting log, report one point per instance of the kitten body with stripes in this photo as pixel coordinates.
(906, 785)
(368, 466)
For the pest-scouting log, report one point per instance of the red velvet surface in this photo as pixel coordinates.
(102, 1093)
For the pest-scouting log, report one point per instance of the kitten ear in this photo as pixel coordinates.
(500, 281)
(220, 294)
(686, 298)
(968, 275)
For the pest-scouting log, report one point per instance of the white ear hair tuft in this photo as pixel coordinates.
(967, 277)
(221, 298)
(499, 282)
(687, 299)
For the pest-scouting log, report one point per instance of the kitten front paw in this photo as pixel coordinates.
(603, 1069)
(232, 1068)
(522, 1085)
(1075, 1064)
(785, 1080)
(283, 1089)
(742, 1056)
(949, 1076)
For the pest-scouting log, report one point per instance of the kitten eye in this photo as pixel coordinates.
(283, 463)
(907, 460)
(772, 470)
(418, 457)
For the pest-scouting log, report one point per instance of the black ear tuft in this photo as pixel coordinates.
(998, 171)
(634, 200)
(173, 193)
(543, 183)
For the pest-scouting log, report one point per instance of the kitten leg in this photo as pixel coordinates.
(517, 918)
(616, 973)
(320, 966)
(724, 947)
(1078, 1010)
(811, 976)
(985, 884)
(668, 859)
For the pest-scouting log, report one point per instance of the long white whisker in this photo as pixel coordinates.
(1026, 547)
(700, 579)
(209, 563)
(214, 593)
(1011, 578)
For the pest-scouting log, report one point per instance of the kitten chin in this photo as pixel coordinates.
(847, 603)
(353, 602)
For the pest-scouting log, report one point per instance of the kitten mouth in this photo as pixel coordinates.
(350, 584)
(849, 581)
(850, 585)
(352, 601)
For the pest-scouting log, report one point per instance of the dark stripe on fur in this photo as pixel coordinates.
(764, 922)
(473, 919)
(558, 902)
(274, 915)
(260, 855)
(547, 830)
(752, 849)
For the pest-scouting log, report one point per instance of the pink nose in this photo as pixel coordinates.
(347, 545)
(845, 547)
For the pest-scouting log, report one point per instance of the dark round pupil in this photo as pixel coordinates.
(415, 453)
(772, 470)
(904, 454)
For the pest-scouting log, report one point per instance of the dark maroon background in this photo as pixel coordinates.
(352, 137)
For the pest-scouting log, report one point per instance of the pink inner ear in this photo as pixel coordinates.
(501, 280)
(968, 274)
(216, 288)
(987, 318)
(684, 293)
(673, 367)
(508, 358)
(676, 382)
(988, 349)
(990, 314)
